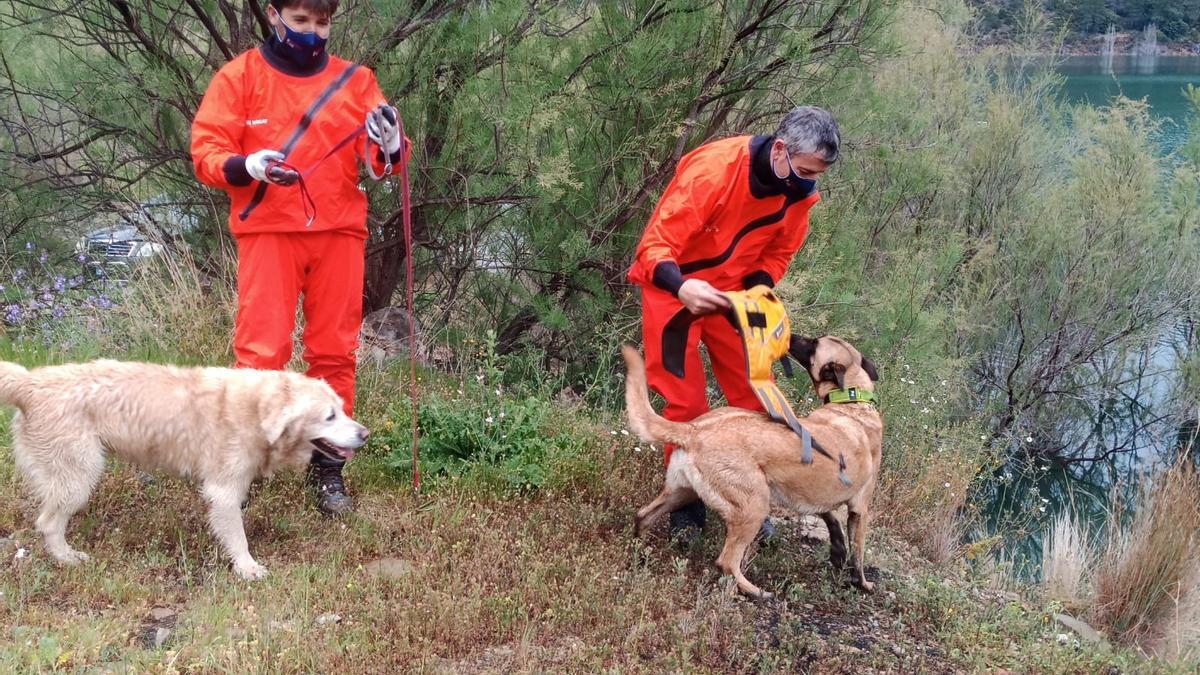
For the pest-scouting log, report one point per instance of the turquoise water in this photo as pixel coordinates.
(1160, 80)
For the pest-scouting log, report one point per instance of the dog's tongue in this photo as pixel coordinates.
(335, 451)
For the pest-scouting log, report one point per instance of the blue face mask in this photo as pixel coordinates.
(805, 186)
(303, 49)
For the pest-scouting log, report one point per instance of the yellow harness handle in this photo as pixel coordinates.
(762, 321)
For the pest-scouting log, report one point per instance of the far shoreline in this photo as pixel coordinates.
(1093, 45)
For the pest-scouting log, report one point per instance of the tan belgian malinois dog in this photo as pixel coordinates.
(739, 462)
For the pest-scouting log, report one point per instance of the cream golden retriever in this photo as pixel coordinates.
(741, 463)
(218, 426)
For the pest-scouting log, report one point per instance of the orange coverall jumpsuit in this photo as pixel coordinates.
(256, 102)
(727, 219)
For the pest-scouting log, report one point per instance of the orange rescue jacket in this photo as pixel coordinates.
(253, 105)
(725, 218)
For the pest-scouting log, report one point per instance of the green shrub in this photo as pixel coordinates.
(477, 429)
(504, 440)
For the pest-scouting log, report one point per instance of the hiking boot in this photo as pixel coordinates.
(686, 523)
(332, 499)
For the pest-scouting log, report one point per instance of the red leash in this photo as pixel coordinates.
(406, 209)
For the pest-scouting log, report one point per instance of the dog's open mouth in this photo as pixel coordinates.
(332, 451)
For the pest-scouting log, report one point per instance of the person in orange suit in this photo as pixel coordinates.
(733, 217)
(276, 131)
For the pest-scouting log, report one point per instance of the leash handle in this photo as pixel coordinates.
(282, 173)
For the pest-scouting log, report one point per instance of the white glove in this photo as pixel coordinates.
(256, 163)
(383, 128)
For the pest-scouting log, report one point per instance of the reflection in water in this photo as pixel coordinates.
(1082, 464)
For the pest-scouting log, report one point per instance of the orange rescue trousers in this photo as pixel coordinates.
(687, 396)
(274, 270)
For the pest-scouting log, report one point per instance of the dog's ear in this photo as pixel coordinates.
(277, 420)
(869, 367)
(802, 349)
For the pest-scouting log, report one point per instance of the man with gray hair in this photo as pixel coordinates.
(732, 218)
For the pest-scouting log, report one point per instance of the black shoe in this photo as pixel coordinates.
(767, 533)
(327, 481)
(687, 522)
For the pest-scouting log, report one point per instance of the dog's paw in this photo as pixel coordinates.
(866, 586)
(250, 571)
(71, 557)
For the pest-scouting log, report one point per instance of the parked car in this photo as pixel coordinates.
(117, 244)
(125, 237)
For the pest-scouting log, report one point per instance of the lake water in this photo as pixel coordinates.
(1022, 499)
(1160, 80)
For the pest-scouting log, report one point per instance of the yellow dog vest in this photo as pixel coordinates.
(762, 321)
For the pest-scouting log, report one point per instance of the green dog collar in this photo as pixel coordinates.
(852, 395)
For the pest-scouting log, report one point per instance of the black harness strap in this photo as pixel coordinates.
(299, 131)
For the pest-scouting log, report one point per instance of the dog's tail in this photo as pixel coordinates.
(647, 424)
(12, 383)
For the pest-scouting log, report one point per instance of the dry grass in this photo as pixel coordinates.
(923, 499)
(551, 581)
(173, 307)
(1067, 559)
(1147, 580)
(942, 538)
